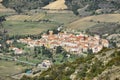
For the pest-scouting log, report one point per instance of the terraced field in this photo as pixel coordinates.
(34, 17)
(91, 21)
(64, 18)
(8, 68)
(31, 24)
(25, 28)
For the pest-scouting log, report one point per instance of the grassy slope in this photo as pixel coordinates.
(65, 18)
(34, 17)
(4, 9)
(24, 28)
(8, 68)
(86, 22)
(15, 24)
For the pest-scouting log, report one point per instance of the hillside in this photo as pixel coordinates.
(23, 5)
(94, 6)
(35, 23)
(34, 17)
(4, 9)
(96, 21)
(104, 65)
(87, 22)
(57, 5)
(103, 6)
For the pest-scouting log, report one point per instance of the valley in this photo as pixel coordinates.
(59, 40)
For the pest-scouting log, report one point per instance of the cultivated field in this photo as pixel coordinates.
(8, 68)
(55, 17)
(64, 18)
(31, 24)
(90, 21)
(36, 22)
(25, 28)
(4, 9)
(34, 17)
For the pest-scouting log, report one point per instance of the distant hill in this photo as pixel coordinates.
(57, 5)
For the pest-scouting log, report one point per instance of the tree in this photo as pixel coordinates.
(2, 18)
(75, 8)
(90, 51)
(58, 49)
(3, 33)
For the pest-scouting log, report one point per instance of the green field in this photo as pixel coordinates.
(30, 59)
(6, 14)
(65, 18)
(24, 28)
(16, 24)
(8, 68)
(33, 17)
(55, 17)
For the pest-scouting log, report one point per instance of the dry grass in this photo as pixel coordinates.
(59, 4)
(65, 18)
(7, 68)
(15, 24)
(1, 0)
(25, 28)
(90, 21)
(104, 18)
(34, 17)
(18, 17)
(4, 9)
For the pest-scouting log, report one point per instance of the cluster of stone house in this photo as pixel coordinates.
(17, 51)
(74, 44)
(45, 64)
